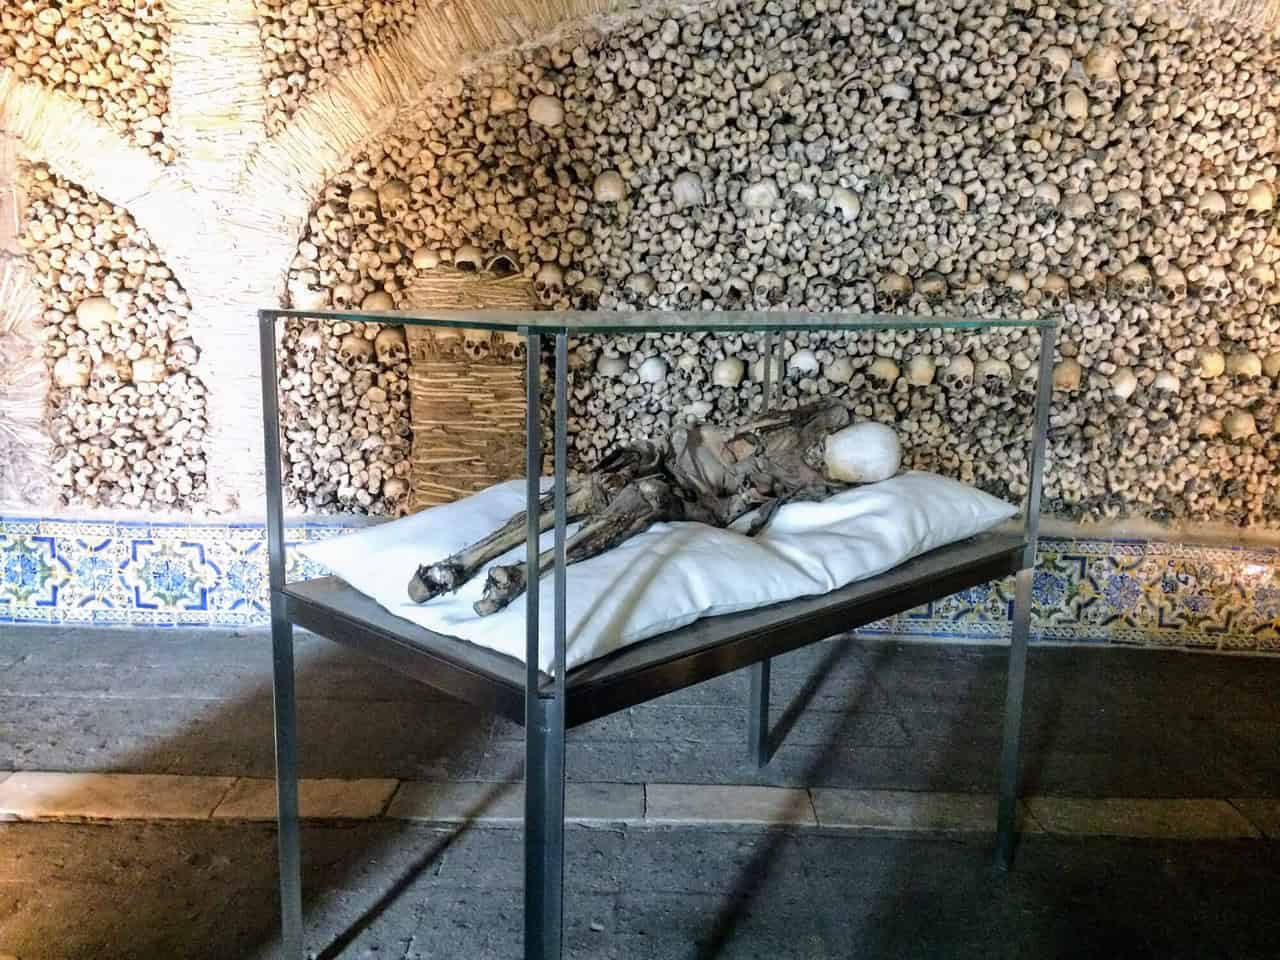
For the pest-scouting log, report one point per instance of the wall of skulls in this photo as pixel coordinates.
(125, 411)
(1117, 168)
(112, 57)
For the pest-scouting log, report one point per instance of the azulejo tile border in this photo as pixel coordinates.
(1095, 591)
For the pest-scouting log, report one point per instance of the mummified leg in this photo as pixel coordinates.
(447, 575)
(583, 495)
(636, 507)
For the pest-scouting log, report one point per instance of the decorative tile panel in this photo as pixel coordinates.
(1094, 591)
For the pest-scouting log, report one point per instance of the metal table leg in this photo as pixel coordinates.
(282, 679)
(758, 713)
(1010, 754)
(545, 708)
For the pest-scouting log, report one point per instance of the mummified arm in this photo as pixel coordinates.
(637, 507)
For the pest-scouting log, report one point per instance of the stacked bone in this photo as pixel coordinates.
(1116, 166)
(306, 41)
(344, 409)
(111, 57)
(127, 412)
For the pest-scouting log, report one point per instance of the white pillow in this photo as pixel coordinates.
(668, 576)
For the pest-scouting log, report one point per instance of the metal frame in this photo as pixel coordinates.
(547, 704)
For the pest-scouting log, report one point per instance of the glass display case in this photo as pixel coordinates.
(549, 701)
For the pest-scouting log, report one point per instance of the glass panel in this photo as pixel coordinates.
(665, 321)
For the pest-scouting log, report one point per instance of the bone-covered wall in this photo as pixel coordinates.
(1114, 166)
(126, 412)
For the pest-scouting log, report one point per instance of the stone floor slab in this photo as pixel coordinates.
(1263, 813)
(503, 803)
(691, 804)
(908, 810)
(110, 796)
(255, 799)
(1140, 817)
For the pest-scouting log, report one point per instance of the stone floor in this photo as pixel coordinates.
(1129, 754)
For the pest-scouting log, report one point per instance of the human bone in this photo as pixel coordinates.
(1239, 424)
(804, 361)
(1164, 380)
(692, 474)
(958, 374)
(148, 370)
(846, 203)
(1210, 363)
(1260, 198)
(72, 369)
(653, 370)
(355, 349)
(549, 282)
(96, 315)
(1123, 383)
(1271, 364)
(546, 111)
(728, 372)
(468, 257)
(760, 195)
(992, 373)
(363, 204)
(883, 372)
(378, 300)
(609, 187)
(686, 190)
(611, 365)
(426, 258)
(1067, 375)
(390, 346)
(1243, 363)
(920, 370)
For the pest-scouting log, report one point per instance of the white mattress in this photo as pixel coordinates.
(669, 576)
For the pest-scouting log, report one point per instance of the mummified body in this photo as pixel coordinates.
(705, 473)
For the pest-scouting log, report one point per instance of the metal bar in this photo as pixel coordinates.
(1006, 821)
(758, 713)
(767, 354)
(544, 714)
(1011, 749)
(282, 675)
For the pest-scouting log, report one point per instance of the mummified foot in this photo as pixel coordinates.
(502, 586)
(436, 578)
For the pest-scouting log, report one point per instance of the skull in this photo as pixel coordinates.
(72, 369)
(921, 370)
(394, 488)
(641, 286)
(1075, 104)
(1123, 383)
(1054, 288)
(1210, 363)
(992, 374)
(1212, 204)
(182, 354)
(894, 288)
(1244, 363)
(468, 258)
(502, 264)
(363, 204)
(1067, 375)
(108, 376)
(1239, 425)
(883, 372)
(769, 288)
(391, 347)
(378, 300)
(609, 187)
(1135, 280)
(1260, 198)
(1100, 67)
(1216, 286)
(425, 258)
(548, 283)
(1206, 426)
(1047, 200)
(949, 198)
(958, 373)
(1028, 379)
(311, 339)
(1124, 208)
(1017, 283)
(344, 295)
(686, 191)
(393, 198)
(354, 350)
(1054, 64)
(96, 315)
(845, 202)
(148, 370)
(1259, 282)
(1078, 206)
(933, 285)
(1173, 283)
